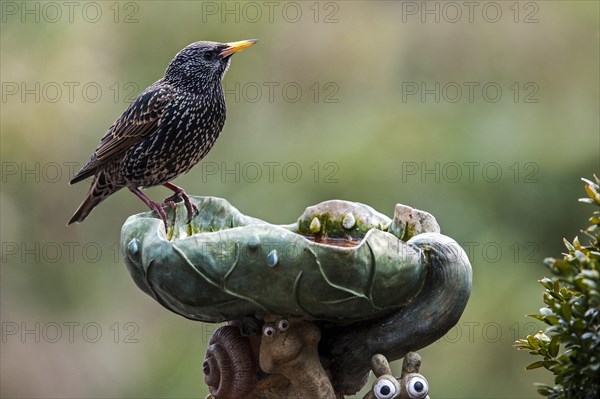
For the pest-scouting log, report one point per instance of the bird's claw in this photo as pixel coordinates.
(191, 208)
(161, 213)
(170, 201)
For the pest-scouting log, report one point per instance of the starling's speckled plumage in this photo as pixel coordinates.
(168, 129)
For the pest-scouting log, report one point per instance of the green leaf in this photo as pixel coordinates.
(591, 192)
(544, 390)
(537, 317)
(556, 287)
(566, 310)
(554, 346)
(569, 246)
(580, 256)
(579, 325)
(546, 283)
(533, 342)
(588, 182)
(535, 365)
(556, 295)
(551, 364)
(551, 320)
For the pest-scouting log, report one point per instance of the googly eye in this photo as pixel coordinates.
(269, 331)
(385, 389)
(283, 325)
(417, 387)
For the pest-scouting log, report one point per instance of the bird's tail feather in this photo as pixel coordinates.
(97, 193)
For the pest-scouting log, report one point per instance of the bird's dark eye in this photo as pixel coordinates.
(209, 55)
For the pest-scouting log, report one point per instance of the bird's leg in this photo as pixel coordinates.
(152, 205)
(180, 193)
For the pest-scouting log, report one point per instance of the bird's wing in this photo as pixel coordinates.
(139, 120)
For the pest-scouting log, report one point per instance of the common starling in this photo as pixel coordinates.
(168, 129)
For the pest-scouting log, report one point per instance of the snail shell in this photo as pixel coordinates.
(230, 369)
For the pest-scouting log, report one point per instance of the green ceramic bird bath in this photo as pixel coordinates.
(372, 284)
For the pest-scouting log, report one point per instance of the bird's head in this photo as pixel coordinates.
(203, 63)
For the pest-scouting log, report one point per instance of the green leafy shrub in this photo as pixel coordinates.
(570, 346)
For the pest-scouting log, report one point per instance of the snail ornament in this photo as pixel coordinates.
(230, 369)
(410, 385)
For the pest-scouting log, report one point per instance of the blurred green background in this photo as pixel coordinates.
(340, 97)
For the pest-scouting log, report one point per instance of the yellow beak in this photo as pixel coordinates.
(234, 47)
